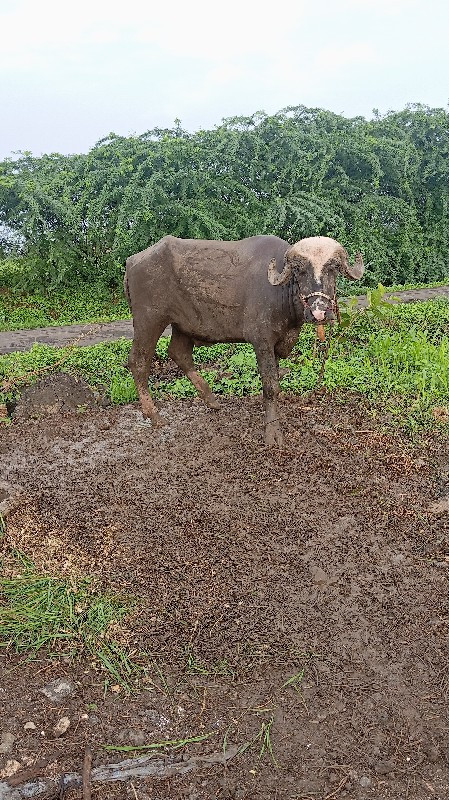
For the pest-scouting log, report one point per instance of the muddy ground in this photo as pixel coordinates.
(326, 560)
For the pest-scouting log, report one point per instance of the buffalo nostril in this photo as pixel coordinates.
(318, 314)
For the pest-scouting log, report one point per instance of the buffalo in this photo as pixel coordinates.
(259, 290)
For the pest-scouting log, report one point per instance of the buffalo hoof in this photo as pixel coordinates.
(273, 435)
(213, 402)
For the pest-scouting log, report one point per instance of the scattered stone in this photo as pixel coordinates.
(137, 737)
(11, 767)
(58, 690)
(365, 781)
(319, 576)
(439, 506)
(6, 742)
(11, 496)
(29, 726)
(132, 737)
(61, 726)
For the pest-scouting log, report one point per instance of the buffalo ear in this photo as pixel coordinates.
(352, 271)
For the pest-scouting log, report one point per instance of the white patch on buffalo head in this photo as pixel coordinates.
(318, 250)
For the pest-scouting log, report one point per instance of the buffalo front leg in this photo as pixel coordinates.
(268, 369)
(139, 362)
(180, 350)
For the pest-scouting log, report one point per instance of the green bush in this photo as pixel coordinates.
(378, 185)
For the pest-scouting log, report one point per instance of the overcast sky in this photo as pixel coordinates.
(71, 72)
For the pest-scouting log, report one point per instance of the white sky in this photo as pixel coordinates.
(71, 72)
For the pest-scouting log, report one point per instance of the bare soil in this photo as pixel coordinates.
(326, 560)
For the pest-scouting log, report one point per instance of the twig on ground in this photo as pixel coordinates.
(87, 770)
(338, 789)
(27, 774)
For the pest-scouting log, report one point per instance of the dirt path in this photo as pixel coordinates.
(60, 336)
(323, 561)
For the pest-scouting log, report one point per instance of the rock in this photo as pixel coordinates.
(439, 506)
(11, 767)
(319, 576)
(11, 496)
(6, 742)
(365, 781)
(61, 726)
(29, 726)
(58, 690)
(137, 737)
(132, 737)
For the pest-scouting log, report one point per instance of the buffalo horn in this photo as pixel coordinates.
(353, 271)
(277, 278)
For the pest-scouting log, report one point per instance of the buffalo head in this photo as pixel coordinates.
(313, 265)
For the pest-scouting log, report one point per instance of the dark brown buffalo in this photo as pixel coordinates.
(259, 290)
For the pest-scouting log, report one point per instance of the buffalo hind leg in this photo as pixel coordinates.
(268, 368)
(139, 362)
(180, 350)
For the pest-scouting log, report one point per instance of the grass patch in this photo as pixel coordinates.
(399, 360)
(91, 303)
(64, 617)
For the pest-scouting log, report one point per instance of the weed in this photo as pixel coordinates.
(39, 611)
(262, 738)
(196, 667)
(295, 681)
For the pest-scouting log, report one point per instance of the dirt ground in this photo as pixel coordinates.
(327, 560)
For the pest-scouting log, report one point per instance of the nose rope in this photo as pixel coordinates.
(332, 300)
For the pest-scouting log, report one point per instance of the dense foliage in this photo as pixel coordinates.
(380, 185)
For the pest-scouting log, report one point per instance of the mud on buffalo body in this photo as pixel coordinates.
(259, 290)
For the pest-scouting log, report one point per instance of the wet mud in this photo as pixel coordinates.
(292, 599)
